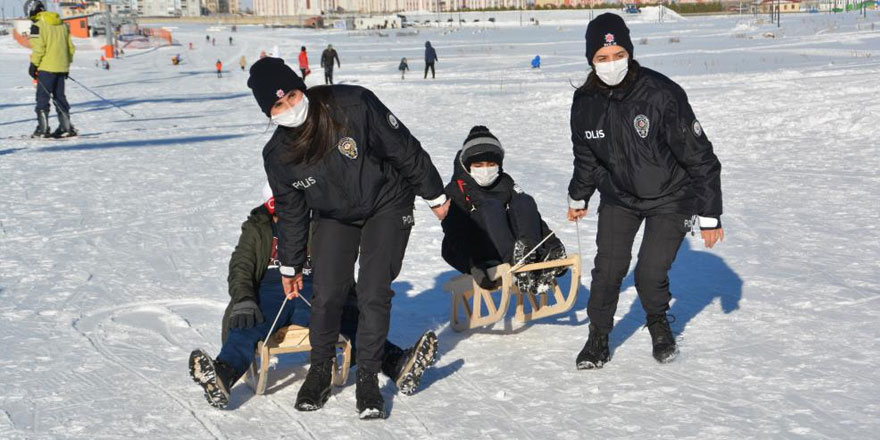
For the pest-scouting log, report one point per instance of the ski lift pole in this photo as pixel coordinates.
(101, 97)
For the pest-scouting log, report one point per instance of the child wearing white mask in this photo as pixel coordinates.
(491, 220)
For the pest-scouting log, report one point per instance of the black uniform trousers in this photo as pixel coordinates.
(381, 241)
(429, 66)
(617, 230)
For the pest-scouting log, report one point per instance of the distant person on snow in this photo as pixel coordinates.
(230, 41)
(304, 63)
(637, 141)
(242, 62)
(219, 67)
(536, 62)
(403, 67)
(492, 220)
(341, 154)
(430, 59)
(51, 55)
(327, 58)
(256, 296)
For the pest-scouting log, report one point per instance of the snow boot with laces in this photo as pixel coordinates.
(315, 391)
(665, 349)
(595, 353)
(370, 403)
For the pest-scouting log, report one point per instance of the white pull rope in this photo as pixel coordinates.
(279, 315)
(577, 225)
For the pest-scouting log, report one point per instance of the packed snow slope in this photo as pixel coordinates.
(114, 246)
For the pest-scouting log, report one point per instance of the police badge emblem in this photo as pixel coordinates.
(698, 129)
(642, 125)
(392, 121)
(348, 147)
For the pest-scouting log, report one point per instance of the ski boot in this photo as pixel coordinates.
(595, 353)
(215, 377)
(316, 389)
(406, 367)
(547, 277)
(526, 282)
(665, 349)
(65, 128)
(42, 130)
(370, 404)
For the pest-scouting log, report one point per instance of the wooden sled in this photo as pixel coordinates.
(294, 339)
(469, 299)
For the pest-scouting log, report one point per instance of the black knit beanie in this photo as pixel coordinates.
(271, 79)
(607, 30)
(481, 146)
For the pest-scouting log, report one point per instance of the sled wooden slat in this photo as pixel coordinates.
(294, 339)
(468, 298)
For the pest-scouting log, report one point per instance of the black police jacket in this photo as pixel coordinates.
(376, 166)
(642, 147)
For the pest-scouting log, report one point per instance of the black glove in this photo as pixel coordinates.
(66, 74)
(32, 71)
(482, 278)
(245, 315)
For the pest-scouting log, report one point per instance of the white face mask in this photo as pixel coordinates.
(612, 72)
(484, 176)
(294, 116)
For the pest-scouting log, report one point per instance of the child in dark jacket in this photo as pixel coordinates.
(492, 221)
(403, 67)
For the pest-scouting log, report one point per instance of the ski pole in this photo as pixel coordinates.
(519, 263)
(99, 96)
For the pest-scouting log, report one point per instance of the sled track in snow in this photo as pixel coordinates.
(86, 325)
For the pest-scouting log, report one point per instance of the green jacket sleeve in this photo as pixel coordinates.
(243, 264)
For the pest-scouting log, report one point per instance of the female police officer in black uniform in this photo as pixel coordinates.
(340, 154)
(638, 142)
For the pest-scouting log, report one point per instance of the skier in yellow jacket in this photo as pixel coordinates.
(51, 54)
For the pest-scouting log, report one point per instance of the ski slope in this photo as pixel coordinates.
(114, 246)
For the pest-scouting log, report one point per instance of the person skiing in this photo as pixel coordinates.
(327, 58)
(637, 141)
(219, 66)
(304, 63)
(341, 154)
(403, 67)
(492, 221)
(242, 62)
(256, 294)
(430, 59)
(51, 55)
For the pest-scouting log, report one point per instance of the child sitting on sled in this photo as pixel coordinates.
(492, 221)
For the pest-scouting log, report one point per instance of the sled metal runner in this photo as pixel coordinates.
(469, 299)
(294, 339)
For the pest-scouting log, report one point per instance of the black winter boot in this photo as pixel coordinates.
(406, 367)
(595, 353)
(370, 404)
(215, 377)
(65, 128)
(42, 130)
(665, 349)
(315, 391)
(526, 282)
(547, 277)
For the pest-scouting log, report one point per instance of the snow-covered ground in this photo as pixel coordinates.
(114, 246)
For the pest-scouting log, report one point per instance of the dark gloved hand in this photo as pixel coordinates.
(482, 278)
(32, 71)
(245, 315)
(66, 74)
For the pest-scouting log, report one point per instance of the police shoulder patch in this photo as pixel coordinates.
(642, 125)
(392, 121)
(348, 147)
(698, 129)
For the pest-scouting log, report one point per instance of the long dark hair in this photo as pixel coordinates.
(308, 143)
(593, 82)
